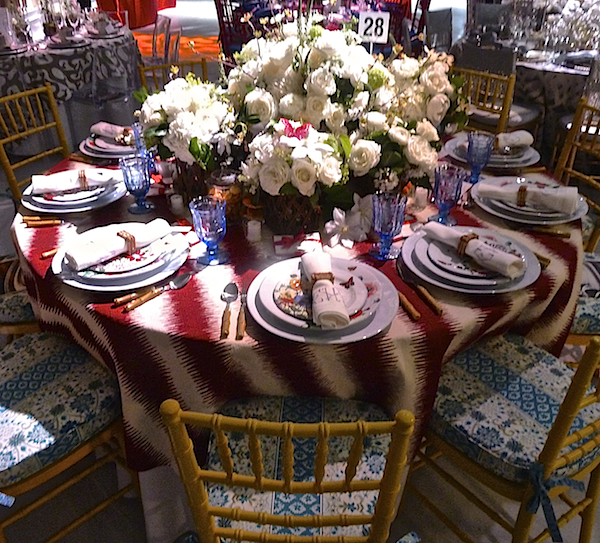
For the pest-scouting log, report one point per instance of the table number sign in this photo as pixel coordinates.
(374, 26)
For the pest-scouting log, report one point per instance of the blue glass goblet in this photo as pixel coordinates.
(479, 150)
(208, 214)
(446, 191)
(137, 180)
(388, 217)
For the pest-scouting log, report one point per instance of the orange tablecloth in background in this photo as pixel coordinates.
(141, 12)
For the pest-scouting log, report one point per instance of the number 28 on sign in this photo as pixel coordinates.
(374, 26)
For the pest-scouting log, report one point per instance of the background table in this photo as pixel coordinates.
(170, 347)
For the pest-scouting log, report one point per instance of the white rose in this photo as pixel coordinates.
(405, 67)
(420, 153)
(315, 109)
(435, 81)
(291, 106)
(179, 136)
(437, 108)
(331, 171)
(359, 105)
(385, 98)
(375, 121)
(399, 135)
(262, 147)
(413, 106)
(365, 155)
(304, 176)
(259, 102)
(151, 112)
(273, 175)
(335, 117)
(427, 130)
(321, 81)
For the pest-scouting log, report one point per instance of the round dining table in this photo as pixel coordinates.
(170, 347)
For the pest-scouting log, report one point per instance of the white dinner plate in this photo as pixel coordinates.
(79, 197)
(88, 148)
(458, 283)
(71, 44)
(379, 321)
(41, 205)
(529, 157)
(362, 298)
(102, 145)
(173, 261)
(525, 217)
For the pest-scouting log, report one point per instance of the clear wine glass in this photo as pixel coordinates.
(137, 180)
(447, 191)
(479, 150)
(388, 217)
(208, 214)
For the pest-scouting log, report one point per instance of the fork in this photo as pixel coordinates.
(241, 320)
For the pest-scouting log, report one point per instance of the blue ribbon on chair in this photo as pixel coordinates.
(541, 489)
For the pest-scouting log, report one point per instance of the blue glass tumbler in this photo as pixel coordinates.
(137, 180)
(210, 224)
(388, 218)
(479, 150)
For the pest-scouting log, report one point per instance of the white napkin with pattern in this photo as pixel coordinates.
(518, 138)
(328, 308)
(69, 180)
(101, 244)
(561, 199)
(489, 257)
(108, 130)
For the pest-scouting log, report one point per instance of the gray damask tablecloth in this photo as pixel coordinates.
(555, 89)
(70, 69)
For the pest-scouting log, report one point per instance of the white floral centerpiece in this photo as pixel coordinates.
(328, 119)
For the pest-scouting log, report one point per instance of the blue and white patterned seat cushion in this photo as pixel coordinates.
(296, 409)
(15, 307)
(53, 397)
(587, 314)
(498, 399)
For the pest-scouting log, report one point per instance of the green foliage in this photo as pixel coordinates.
(202, 153)
(141, 95)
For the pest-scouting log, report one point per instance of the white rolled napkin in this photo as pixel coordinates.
(518, 138)
(108, 130)
(69, 180)
(328, 308)
(561, 199)
(486, 256)
(102, 244)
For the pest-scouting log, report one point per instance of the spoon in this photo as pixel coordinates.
(229, 294)
(174, 284)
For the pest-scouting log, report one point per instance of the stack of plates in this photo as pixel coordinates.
(441, 266)
(147, 266)
(73, 202)
(278, 305)
(526, 214)
(100, 147)
(13, 50)
(513, 158)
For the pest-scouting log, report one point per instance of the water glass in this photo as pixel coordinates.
(388, 217)
(447, 191)
(137, 180)
(208, 214)
(479, 150)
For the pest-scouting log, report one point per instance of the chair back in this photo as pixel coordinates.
(233, 34)
(24, 114)
(355, 433)
(438, 29)
(581, 147)
(492, 15)
(565, 447)
(174, 46)
(161, 37)
(154, 78)
(418, 19)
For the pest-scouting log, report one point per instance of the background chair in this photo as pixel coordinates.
(291, 467)
(438, 29)
(491, 75)
(521, 423)
(154, 78)
(161, 41)
(59, 405)
(30, 114)
(233, 34)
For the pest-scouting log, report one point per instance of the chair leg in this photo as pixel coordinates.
(523, 523)
(588, 516)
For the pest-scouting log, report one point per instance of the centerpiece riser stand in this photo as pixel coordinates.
(290, 214)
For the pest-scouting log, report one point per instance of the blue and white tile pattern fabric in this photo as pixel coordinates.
(410, 537)
(295, 409)
(587, 314)
(53, 397)
(498, 399)
(15, 307)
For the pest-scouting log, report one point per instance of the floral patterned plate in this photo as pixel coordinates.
(68, 198)
(288, 303)
(448, 259)
(127, 263)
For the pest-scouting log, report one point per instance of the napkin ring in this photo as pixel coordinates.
(83, 182)
(521, 195)
(129, 241)
(464, 241)
(327, 276)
